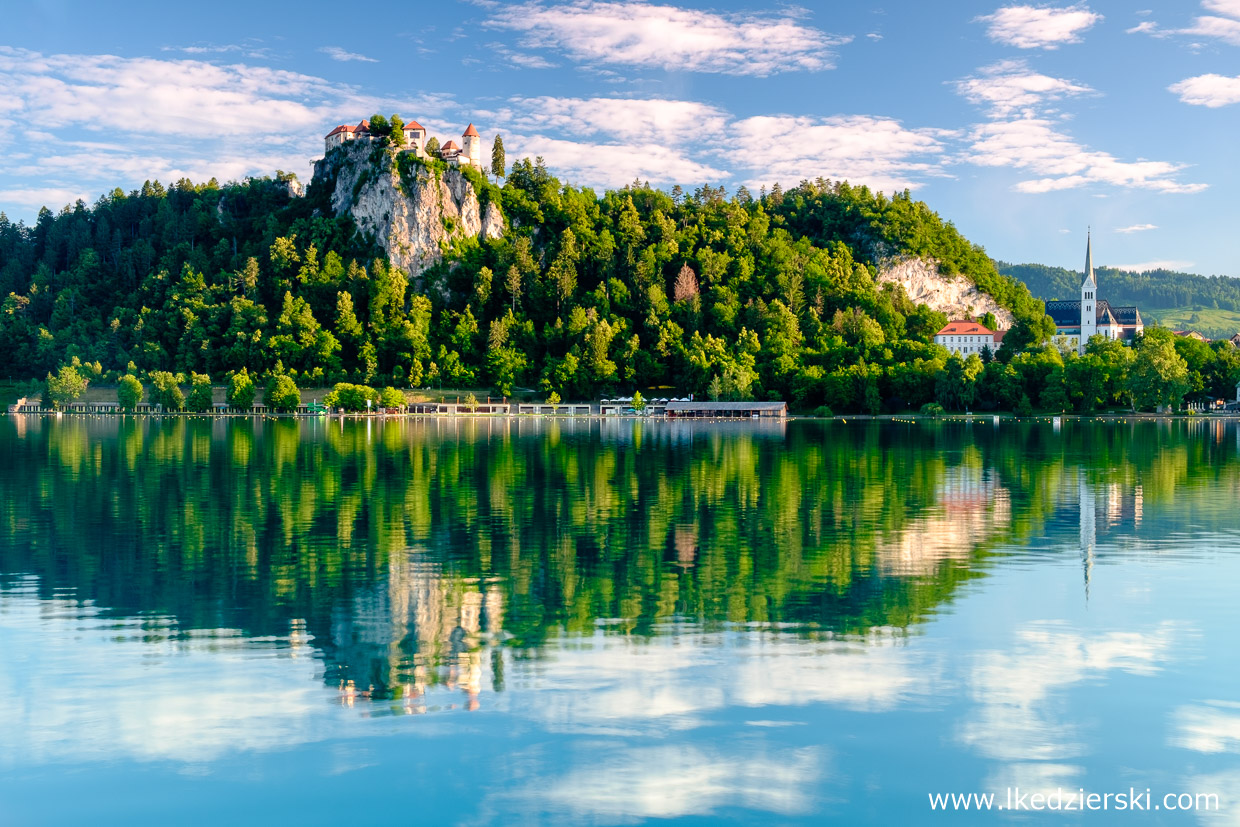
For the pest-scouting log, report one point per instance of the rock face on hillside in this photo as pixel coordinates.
(412, 216)
(957, 297)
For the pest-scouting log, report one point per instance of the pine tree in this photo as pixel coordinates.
(497, 157)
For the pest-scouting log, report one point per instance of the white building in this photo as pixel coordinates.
(470, 154)
(967, 338)
(1077, 321)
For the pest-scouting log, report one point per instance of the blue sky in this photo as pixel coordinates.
(1023, 124)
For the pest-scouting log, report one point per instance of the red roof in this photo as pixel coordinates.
(363, 126)
(450, 145)
(341, 128)
(413, 125)
(964, 329)
(999, 334)
(470, 132)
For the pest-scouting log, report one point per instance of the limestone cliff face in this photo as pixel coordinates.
(413, 217)
(957, 297)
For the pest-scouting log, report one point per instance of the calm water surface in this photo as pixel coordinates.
(499, 621)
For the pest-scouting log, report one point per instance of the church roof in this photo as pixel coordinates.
(1126, 315)
(964, 329)
(470, 132)
(1065, 313)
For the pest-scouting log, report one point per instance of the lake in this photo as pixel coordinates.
(492, 621)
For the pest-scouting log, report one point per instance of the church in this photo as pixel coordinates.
(1077, 321)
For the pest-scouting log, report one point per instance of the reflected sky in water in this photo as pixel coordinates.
(498, 621)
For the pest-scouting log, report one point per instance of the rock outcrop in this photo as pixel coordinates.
(955, 296)
(412, 216)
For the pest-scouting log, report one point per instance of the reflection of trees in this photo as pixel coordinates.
(252, 524)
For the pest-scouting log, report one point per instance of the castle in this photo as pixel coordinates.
(1077, 321)
(468, 153)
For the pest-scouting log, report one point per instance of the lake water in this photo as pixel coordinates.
(495, 621)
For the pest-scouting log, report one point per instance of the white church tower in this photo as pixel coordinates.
(1089, 298)
(472, 146)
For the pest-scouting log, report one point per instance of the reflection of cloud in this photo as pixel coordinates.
(672, 782)
(1211, 728)
(1017, 719)
(102, 689)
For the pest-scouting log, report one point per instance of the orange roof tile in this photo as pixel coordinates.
(964, 329)
(413, 125)
(470, 132)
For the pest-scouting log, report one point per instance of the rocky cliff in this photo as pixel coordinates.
(413, 209)
(955, 296)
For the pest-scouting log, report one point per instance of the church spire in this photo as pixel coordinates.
(1089, 261)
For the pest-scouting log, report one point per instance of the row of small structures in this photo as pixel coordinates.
(670, 408)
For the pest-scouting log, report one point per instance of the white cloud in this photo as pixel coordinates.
(1012, 85)
(31, 199)
(163, 118)
(611, 165)
(1039, 27)
(1208, 90)
(1222, 28)
(1136, 228)
(671, 38)
(337, 53)
(879, 152)
(1160, 264)
(624, 120)
(1034, 146)
(1231, 8)
(1144, 27)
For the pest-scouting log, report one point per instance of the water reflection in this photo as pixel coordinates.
(694, 618)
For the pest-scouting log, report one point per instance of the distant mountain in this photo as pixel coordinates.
(1153, 290)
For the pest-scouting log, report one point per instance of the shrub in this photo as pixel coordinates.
(932, 409)
(1024, 407)
(824, 411)
(129, 392)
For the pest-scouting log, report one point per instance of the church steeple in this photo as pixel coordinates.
(1089, 262)
(1089, 297)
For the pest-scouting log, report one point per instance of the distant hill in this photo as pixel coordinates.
(1167, 296)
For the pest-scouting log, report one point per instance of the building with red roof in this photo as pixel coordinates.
(966, 338)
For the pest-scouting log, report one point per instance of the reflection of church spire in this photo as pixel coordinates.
(1089, 527)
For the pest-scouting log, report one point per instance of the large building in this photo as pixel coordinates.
(470, 154)
(966, 338)
(1077, 321)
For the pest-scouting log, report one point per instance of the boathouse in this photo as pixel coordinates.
(727, 410)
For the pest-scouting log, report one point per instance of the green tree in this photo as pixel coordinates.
(65, 386)
(200, 399)
(1159, 375)
(497, 157)
(471, 402)
(166, 391)
(129, 392)
(241, 390)
(392, 398)
(396, 130)
(639, 404)
(350, 397)
(282, 394)
(432, 146)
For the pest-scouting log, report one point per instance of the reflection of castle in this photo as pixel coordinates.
(417, 630)
(972, 506)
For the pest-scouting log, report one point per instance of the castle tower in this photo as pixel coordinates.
(1089, 298)
(472, 146)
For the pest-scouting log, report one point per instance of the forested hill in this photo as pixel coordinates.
(1152, 289)
(582, 294)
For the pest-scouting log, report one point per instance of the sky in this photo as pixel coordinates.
(1024, 125)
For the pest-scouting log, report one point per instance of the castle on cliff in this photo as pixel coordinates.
(467, 153)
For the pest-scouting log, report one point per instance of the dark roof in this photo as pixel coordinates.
(1065, 313)
(726, 406)
(1068, 313)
